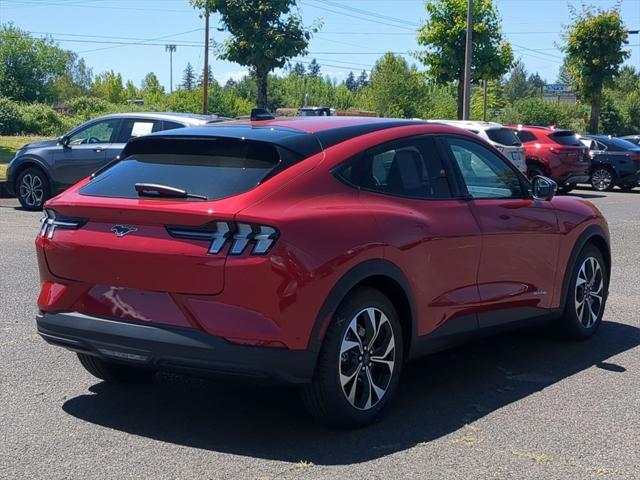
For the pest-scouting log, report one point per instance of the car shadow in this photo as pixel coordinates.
(583, 194)
(438, 395)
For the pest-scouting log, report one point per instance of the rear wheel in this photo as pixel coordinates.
(113, 372)
(566, 188)
(535, 171)
(360, 362)
(587, 294)
(603, 179)
(627, 188)
(32, 189)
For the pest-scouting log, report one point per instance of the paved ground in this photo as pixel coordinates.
(520, 406)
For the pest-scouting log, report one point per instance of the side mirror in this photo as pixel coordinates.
(543, 188)
(63, 140)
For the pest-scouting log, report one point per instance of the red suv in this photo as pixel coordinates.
(321, 252)
(554, 153)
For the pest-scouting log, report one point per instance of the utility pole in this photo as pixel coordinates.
(205, 74)
(170, 48)
(634, 32)
(484, 106)
(468, 51)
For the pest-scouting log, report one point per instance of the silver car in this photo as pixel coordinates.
(41, 170)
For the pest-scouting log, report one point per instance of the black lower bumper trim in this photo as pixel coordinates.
(173, 348)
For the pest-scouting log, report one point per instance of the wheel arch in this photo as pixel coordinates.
(381, 275)
(30, 162)
(595, 236)
(536, 162)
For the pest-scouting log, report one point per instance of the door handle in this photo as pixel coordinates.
(97, 149)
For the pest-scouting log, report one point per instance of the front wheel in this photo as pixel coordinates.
(587, 294)
(360, 362)
(32, 189)
(602, 179)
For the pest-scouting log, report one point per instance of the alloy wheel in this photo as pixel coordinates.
(367, 358)
(589, 292)
(31, 190)
(601, 179)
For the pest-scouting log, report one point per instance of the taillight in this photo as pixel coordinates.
(238, 234)
(52, 220)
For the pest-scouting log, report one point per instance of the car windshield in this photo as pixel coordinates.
(215, 168)
(504, 136)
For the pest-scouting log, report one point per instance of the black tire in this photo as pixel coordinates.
(603, 179)
(566, 188)
(577, 322)
(326, 398)
(32, 189)
(627, 188)
(535, 171)
(114, 372)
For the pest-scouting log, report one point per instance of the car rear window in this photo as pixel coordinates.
(566, 137)
(214, 168)
(622, 144)
(504, 136)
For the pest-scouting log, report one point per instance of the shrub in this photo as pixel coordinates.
(535, 111)
(86, 108)
(10, 118)
(40, 119)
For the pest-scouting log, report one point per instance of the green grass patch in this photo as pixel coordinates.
(8, 147)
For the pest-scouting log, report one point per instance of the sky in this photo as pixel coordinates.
(129, 36)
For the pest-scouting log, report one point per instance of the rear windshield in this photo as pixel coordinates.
(622, 144)
(504, 136)
(566, 137)
(215, 168)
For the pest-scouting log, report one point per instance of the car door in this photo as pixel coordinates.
(427, 229)
(131, 128)
(84, 152)
(520, 235)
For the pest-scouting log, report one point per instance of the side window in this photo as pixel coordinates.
(167, 125)
(525, 136)
(410, 168)
(136, 127)
(98, 132)
(486, 175)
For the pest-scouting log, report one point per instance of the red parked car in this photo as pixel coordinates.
(321, 252)
(555, 153)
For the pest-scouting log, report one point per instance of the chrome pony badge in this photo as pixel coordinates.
(122, 230)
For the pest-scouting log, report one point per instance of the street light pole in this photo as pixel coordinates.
(205, 74)
(468, 54)
(170, 48)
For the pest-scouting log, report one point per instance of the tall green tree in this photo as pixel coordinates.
(350, 82)
(444, 37)
(299, 69)
(362, 80)
(151, 85)
(516, 85)
(188, 78)
(594, 52)
(109, 86)
(30, 67)
(264, 35)
(395, 89)
(313, 70)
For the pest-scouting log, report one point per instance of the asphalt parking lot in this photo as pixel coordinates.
(522, 405)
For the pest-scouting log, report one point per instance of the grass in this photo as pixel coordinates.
(8, 147)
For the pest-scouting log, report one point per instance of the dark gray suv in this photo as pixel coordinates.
(41, 170)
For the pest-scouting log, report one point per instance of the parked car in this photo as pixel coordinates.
(614, 161)
(321, 252)
(41, 170)
(635, 139)
(498, 135)
(554, 153)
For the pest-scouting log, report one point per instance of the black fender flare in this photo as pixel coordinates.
(352, 278)
(28, 162)
(590, 233)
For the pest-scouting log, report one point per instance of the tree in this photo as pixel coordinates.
(30, 67)
(131, 92)
(108, 86)
(594, 52)
(363, 80)
(188, 78)
(444, 35)
(264, 35)
(516, 85)
(299, 70)
(536, 83)
(313, 71)
(209, 77)
(151, 85)
(350, 82)
(395, 89)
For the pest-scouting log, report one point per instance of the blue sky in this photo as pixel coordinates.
(354, 33)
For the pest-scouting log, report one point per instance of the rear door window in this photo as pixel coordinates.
(525, 136)
(213, 168)
(136, 127)
(565, 137)
(503, 136)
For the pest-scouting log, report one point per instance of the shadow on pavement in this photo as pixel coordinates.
(438, 395)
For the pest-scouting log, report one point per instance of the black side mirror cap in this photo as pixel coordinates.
(543, 188)
(63, 140)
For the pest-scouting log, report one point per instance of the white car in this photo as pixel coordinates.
(498, 135)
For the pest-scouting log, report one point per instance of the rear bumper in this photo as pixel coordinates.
(173, 348)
